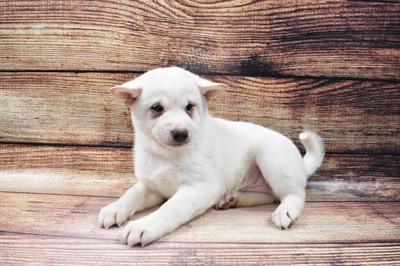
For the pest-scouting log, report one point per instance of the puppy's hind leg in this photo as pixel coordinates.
(288, 211)
(246, 199)
(282, 167)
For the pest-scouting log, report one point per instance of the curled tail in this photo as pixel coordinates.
(314, 151)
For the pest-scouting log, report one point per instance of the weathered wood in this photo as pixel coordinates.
(65, 143)
(22, 249)
(328, 222)
(67, 108)
(358, 39)
(108, 172)
(359, 168)
(87, 171)
(62, 108)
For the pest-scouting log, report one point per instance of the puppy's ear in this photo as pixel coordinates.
(126, 93)
(210, 90)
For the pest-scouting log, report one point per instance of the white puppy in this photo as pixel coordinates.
(195, 161)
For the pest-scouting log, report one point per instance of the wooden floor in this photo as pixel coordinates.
(49, 217)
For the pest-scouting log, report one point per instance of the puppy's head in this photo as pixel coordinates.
(168, 105)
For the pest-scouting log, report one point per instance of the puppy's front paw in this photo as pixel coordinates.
(284, 216)
(114, 213)
(141, 231)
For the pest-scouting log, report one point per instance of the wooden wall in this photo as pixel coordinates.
(329, 66)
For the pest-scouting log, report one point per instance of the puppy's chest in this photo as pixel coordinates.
(163, 179)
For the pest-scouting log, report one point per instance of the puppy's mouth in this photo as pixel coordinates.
(177, 145)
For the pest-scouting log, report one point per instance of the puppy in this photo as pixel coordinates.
(195, 161)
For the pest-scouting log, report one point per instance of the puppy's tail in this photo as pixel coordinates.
(314, 151)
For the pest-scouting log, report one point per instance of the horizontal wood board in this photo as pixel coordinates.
(42, 229)
(96, 171)
(41, 250)
(352, 116)
(357, 39)
(321, 222)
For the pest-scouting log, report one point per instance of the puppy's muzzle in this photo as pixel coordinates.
(180, 136)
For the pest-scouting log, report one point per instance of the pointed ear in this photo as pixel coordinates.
(126, 94)
(210, 90)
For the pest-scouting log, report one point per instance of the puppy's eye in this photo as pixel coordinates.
(189, 107)
(157, 108)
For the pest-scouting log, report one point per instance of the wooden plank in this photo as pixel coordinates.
(108, 172)
(68, 108)
(341, 111)
(87, 171)
(352, 191)
(358, 39)
(328, 222)
(62, 108)
(17, 249)
(359, 168)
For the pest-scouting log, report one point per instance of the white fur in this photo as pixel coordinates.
(219, 159)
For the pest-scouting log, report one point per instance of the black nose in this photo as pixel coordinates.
(180, 135)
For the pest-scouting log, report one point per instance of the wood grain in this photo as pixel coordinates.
(328, 222)
(62, 108)
(108, 172)
(65, 143)
(86, 171)
(358, 39)
(30, 249)
(67, 108)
